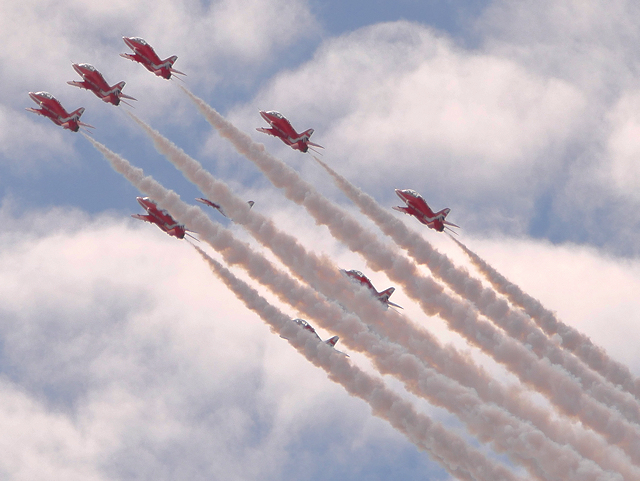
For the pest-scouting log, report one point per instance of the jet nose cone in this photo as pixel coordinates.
(263, 114)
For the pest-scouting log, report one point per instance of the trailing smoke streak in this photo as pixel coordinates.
(234, 251)
(572, 340)
(554, 383)
(524, 444)
(517, 324)
(454, 454)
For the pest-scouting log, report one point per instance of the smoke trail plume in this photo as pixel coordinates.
(572, 340)
(524, 444)
(455, 455)
(554, 383)
(429, 436)
(516, 324)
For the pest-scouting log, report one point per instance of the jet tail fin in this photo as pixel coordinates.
(76, 114)
(170, 61)
(443, 214)
(332, 341)
(117, 90)
(306, 134)
(386, 294)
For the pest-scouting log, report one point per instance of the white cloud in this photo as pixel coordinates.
(589, 290)
(624, 144)
(591, 44)
(124, 357)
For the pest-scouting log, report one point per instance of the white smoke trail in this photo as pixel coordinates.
(551, 381)
(454, 454)
(572, 340)
(525, 444)
(516, 324)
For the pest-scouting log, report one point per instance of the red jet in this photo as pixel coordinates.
(364, 280)
(143, 53)
(51, 108)
(280, 127)
(161, 218)
(94, 81)
(218, 206)
(305, 325)
(417, 207)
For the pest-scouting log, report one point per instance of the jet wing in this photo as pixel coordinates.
(268, 131)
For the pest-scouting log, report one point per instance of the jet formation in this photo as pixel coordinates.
(94, 81)
(279, 126)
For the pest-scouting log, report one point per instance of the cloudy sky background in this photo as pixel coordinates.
(121, 355)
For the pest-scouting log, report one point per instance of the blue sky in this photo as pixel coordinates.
(117, 340)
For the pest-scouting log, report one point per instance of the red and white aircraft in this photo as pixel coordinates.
(51, 108)
(143, 53)
(417, 207)
(305, 325)
(218, 206)
(281, 128)
(94, 81)
(161, 218)
(364, 280)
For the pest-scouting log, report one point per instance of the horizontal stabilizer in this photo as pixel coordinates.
(446, 222)
(394, 305)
